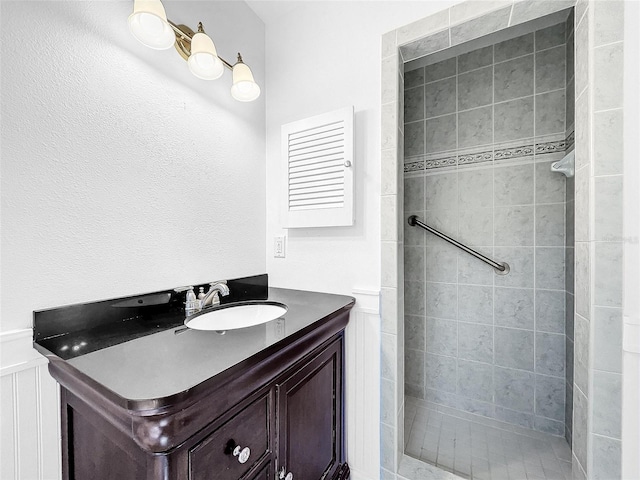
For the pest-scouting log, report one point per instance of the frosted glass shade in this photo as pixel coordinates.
(203, 60)
(244, 88)
(148, 23)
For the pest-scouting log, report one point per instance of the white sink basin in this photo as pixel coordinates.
(237, 316)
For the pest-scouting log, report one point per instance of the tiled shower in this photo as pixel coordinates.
(481, 130)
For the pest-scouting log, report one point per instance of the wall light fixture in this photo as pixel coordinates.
(149, 24)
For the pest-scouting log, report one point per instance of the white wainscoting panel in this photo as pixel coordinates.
(30, 413)
(362, 368)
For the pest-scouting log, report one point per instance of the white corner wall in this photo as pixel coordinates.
(122, 173)
(322, 56)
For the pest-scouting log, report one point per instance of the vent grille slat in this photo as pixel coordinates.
(314, 131)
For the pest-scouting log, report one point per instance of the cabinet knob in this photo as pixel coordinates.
(242, 454)
(282, 476)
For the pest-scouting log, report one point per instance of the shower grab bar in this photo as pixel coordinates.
(501, 268)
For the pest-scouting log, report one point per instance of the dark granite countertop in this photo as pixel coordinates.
(159, 364)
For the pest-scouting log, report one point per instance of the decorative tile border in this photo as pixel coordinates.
(514, 152)
(472, 158)
(421, 163)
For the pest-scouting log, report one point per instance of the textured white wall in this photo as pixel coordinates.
(321, 56)
(121, 172)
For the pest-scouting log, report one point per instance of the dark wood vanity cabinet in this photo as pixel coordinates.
(289, 416)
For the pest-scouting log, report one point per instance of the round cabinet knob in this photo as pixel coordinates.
(242, 454)
(346, 164)
(289, 476)
(282, 476)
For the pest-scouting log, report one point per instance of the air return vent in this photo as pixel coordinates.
(318, 158)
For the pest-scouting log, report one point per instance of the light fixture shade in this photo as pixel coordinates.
(203, 60)
(148, 23)
(244, 88)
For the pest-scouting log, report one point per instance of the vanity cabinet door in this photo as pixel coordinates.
(310, 418)
(235, 448)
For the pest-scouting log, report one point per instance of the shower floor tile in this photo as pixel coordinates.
(480, 448)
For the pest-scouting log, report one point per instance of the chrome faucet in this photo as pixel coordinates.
(212, 297)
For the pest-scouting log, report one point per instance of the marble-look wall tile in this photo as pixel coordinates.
(474, 59)
(475, 189)
(550, 268)
(440, 263)
(441, 373)
(525, 11)
(513, 120)
(475, 304)
(580, 426)
(425, 45)
(514, 226)
(464, 11)
(440, 97)
(414, 138)
(609, 22)
(514, 389)
(441, 133)
(581, 355)
(608, 86)
(475, 127)
(475, 88)
(520, 260)
(388, 357)
(515, 47)
(514, 348)
(608, 208)
(473, 271)
(440, 70)
(414, 332)
(442, 337)
(608, 275)
(582, 201)
(475, 227)
(413, 194)
(475, 342)
(582, 55)
(607, 349)
(480, 26)
(550, 69)
(583, 133)
(513, 78)
(550, 113)
(424, 26)
(607, 142)
(414, 298)
(521, 419)
(442, 300)
(389, 310)
(414, 362)
(550, 397)
(414, 264)
(387, 402)
(546, 425)
(549, 186)
(607, 458)
(550, 37)
(550, 224)
(550, 311)
(475, 380)
(550, 355)
(514, 307)
(413, 104)
(607, 404)
(414, 78)
(514, 185)
(441, 191)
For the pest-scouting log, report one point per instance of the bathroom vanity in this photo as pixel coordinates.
(263, 403)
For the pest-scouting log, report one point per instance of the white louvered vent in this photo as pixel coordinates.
(318, 154)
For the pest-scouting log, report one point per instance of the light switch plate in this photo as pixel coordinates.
(279, 245)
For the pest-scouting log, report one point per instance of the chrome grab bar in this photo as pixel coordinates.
(501, 268)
